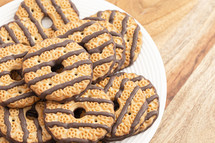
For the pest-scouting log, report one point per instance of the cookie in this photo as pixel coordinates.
(130, 106)
(118, 40)
(14, 92)
(59, 12)
(87, 119)
(3, 140)
(151, 97)
(130, 31)
(57, 69)
(24, 32)
(24, 125)
(98, 43)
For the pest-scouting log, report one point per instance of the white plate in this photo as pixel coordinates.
(148, 64)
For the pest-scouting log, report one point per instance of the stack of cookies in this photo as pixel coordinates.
(62, 83)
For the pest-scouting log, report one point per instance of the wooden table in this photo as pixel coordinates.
(184, 31)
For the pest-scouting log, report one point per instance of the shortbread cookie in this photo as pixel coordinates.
(24, 32)
(60, 12)
(118, 39)
(24, 125)
(151, 97)
(57, 69)
(14, 92)
(130, 31)
(98, 43)
(87, 119)
(129, 104)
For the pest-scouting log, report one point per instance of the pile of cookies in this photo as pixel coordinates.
(61, 83)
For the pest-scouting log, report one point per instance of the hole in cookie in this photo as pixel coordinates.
(13, 120)
(32, 10)
(35, 38)
(82, 33)
(79, 112)
(129, 113)
(57, 68)
(64, 51)
(46, 22)
(96, 120)
(38, 61)
(8, 39)
(20, 92)
(76, 74)
(31, 114)
(116, 105)
(16, 75)
(50, 84)
(128, 40)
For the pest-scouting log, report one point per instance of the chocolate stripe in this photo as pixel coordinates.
(26, 32)
(12, 57)
(4, 73)
(39, 3)
(63, 85)
(111, 18)
(77, 125)
(94, 35)
(78, 29)
(122, 86)
(11, 33)
(109, 84)
(151, 114)
(14, 84)
(14, 99)
(1, 41)
(94, 18)
(7, 122)
(39, 28)
(103, 61)
(52, 63)
(74, 7)
(153, 97)
(101, 47)
(99, 14)
(146, 87)
(86, 99)
(91, 87)
(77, 64)
(60, 12)
(118, 46)
(138, 78)
(134, 44)
(39, 130)
(124, 25)
(6, 45)
(100, 114)
(51, 47)
(113, 33)
(23, 125)
(140, 113)
(124, 110)
(61, 110)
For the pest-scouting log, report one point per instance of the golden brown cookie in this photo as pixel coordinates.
(14, 92)
(87, 119)
(24, 125)
(24, 32)
(60, 12)
(130, 31)
(151, 97)
(130, 106)
(57, 69)
(3, 140)
(98, 43)
(118, 40)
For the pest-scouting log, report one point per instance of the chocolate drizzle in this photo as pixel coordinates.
(124, 25)
(78, 29)
(14, 84)
(111, 18)
(26, 32)
(4, 73)
(7, 122)
(134, 44)
(60, 12)
(100, 48)
(86, 99)
(6, 45)
(12, 57)
(1, 41)
(74, 7)
(14, 99)
(153, 97)
(11, 33)
(23, 125)
(40, 30)
(39, 130)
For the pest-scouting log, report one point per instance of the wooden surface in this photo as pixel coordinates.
(184, 31)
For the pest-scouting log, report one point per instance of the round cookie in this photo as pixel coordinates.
(151, 97)
(60, 12)
(130, 106)
(24, 125)
(87, 119)
(24, 32)
(98, 43)
(14, 92)
(57, 69)
(130, 31)
(118, 40)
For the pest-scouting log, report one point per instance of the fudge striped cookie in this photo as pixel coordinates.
(24, 125)
(97, 41)
(14, 92)
(59, 12)
(24, 32)
(118, 40)
(57, 69)
(130, 106)
(87, 119)
(130, 31)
